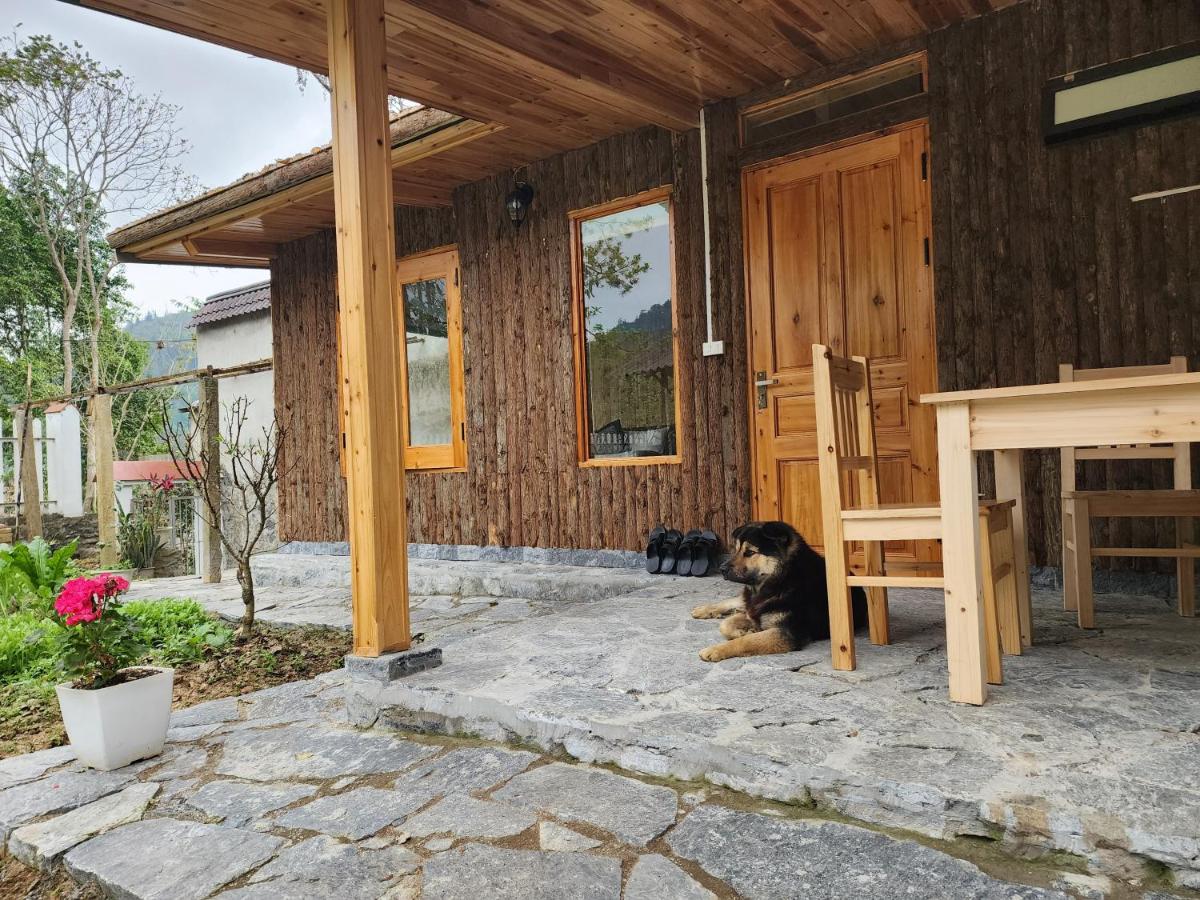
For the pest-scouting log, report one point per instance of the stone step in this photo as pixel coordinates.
(526, 581)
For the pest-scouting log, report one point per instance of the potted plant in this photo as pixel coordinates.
(115, 712)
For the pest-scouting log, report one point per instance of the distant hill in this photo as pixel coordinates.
(177, 352)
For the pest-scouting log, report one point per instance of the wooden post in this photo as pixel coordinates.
(210, 429)
(31, 490)
(106, 513)
(366, 253)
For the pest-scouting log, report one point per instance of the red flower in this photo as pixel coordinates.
(82, 599)
(164, 484)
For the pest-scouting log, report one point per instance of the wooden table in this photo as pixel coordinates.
(1149, 409)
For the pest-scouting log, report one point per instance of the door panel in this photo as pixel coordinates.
(835, 243)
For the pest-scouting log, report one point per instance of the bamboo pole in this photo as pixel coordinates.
(125, 387)
(106, 513)
(210, 430)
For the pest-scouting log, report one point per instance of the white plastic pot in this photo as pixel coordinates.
(114, 726)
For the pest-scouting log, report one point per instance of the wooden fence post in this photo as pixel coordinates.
(31, 490)
(106, 513)
(210, 430)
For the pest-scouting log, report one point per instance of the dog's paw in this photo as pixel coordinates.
(708, 611)
(712, 654)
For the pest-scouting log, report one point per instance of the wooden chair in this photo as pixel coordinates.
(846, 444)
(1080, 507)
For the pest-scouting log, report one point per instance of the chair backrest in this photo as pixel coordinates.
(1180, 454)
(845, 427)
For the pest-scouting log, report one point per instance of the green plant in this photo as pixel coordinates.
(138, 538)
(34, 569)
(27, 646)
(177, 631)
(98, 639)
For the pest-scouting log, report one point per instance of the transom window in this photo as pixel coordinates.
(625, 358)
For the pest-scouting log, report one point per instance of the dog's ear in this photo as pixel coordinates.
(778, 533)
(738, 532)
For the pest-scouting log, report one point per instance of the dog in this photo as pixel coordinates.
(784, 604)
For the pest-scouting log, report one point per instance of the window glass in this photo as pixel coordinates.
(627, 342)
(428, 347)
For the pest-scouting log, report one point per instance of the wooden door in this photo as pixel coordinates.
(838, 254)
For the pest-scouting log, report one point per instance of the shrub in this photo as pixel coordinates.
(27, 646)
(177, 631)
(34, 571)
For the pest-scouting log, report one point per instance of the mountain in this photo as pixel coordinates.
(177, 350)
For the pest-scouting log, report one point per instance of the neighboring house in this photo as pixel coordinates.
(234, 327)
(182, 526)
(880, 178)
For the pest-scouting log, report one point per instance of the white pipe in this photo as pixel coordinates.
(711, 347)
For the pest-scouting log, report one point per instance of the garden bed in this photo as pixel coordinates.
(29, 718)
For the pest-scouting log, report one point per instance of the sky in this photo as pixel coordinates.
(238, 112)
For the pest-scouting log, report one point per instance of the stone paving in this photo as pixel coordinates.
(331, 811)
(1091, 748)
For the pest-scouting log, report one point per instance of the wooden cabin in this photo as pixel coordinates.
(616, 249)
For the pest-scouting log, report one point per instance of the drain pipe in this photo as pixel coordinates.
(711, 347)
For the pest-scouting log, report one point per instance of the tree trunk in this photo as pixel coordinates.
(246, 580)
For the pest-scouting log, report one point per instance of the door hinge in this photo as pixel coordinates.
(926, 251)
(462, 430)
(925, 166)
(456, 276)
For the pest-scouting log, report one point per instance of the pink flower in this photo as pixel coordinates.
(82, 599)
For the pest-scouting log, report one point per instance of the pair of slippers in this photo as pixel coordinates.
(671, 552)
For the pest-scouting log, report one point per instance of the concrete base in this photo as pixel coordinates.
(388, 667)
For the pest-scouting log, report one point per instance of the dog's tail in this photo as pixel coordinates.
(858, 602)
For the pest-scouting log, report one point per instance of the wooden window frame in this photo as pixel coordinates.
(441, 262)
(579, 333)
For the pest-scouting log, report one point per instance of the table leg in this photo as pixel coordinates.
(1011, 486)
(960, 555)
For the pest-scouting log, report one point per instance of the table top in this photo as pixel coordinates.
(1100, 385)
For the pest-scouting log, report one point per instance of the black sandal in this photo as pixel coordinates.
(705, 557)
(670, 551)
(654, 549)
(688, 551)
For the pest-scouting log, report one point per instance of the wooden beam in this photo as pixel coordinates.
(210, 429)
(106, 513)
(30, 509)
(366, 253)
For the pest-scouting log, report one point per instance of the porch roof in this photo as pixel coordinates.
(519, 81)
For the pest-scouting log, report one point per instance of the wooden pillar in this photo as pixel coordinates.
(31, 488)
(210, 431)
(366, 253)
(106, 513)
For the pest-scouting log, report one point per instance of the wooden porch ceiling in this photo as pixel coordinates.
(557, 74)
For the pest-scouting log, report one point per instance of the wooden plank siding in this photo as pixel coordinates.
(1039, 258)
(522, 486)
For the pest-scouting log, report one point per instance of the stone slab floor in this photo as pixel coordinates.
(1091, 748)
(273, 795)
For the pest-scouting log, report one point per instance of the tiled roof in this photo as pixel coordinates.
(231, 304)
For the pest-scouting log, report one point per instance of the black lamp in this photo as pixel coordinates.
(517, 203)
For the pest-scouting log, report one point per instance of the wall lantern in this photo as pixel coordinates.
(1129, 92)
(517, 203)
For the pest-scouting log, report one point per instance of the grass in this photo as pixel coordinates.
(208, 663)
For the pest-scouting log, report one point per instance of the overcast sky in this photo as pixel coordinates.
(238, 112)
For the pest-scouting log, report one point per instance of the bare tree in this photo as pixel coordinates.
(250, 468)
(85, 146)
(396, 105)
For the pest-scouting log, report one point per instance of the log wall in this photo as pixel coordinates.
(522, 486)
(1039, 255)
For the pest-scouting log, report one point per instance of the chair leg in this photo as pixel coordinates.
(1069, 568)
(841, 608)
(877, 598)
(991, 622)
(1185, 567)
(1081, 538)
(1007, 598)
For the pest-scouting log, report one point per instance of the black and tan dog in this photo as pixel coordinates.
(784, 603)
